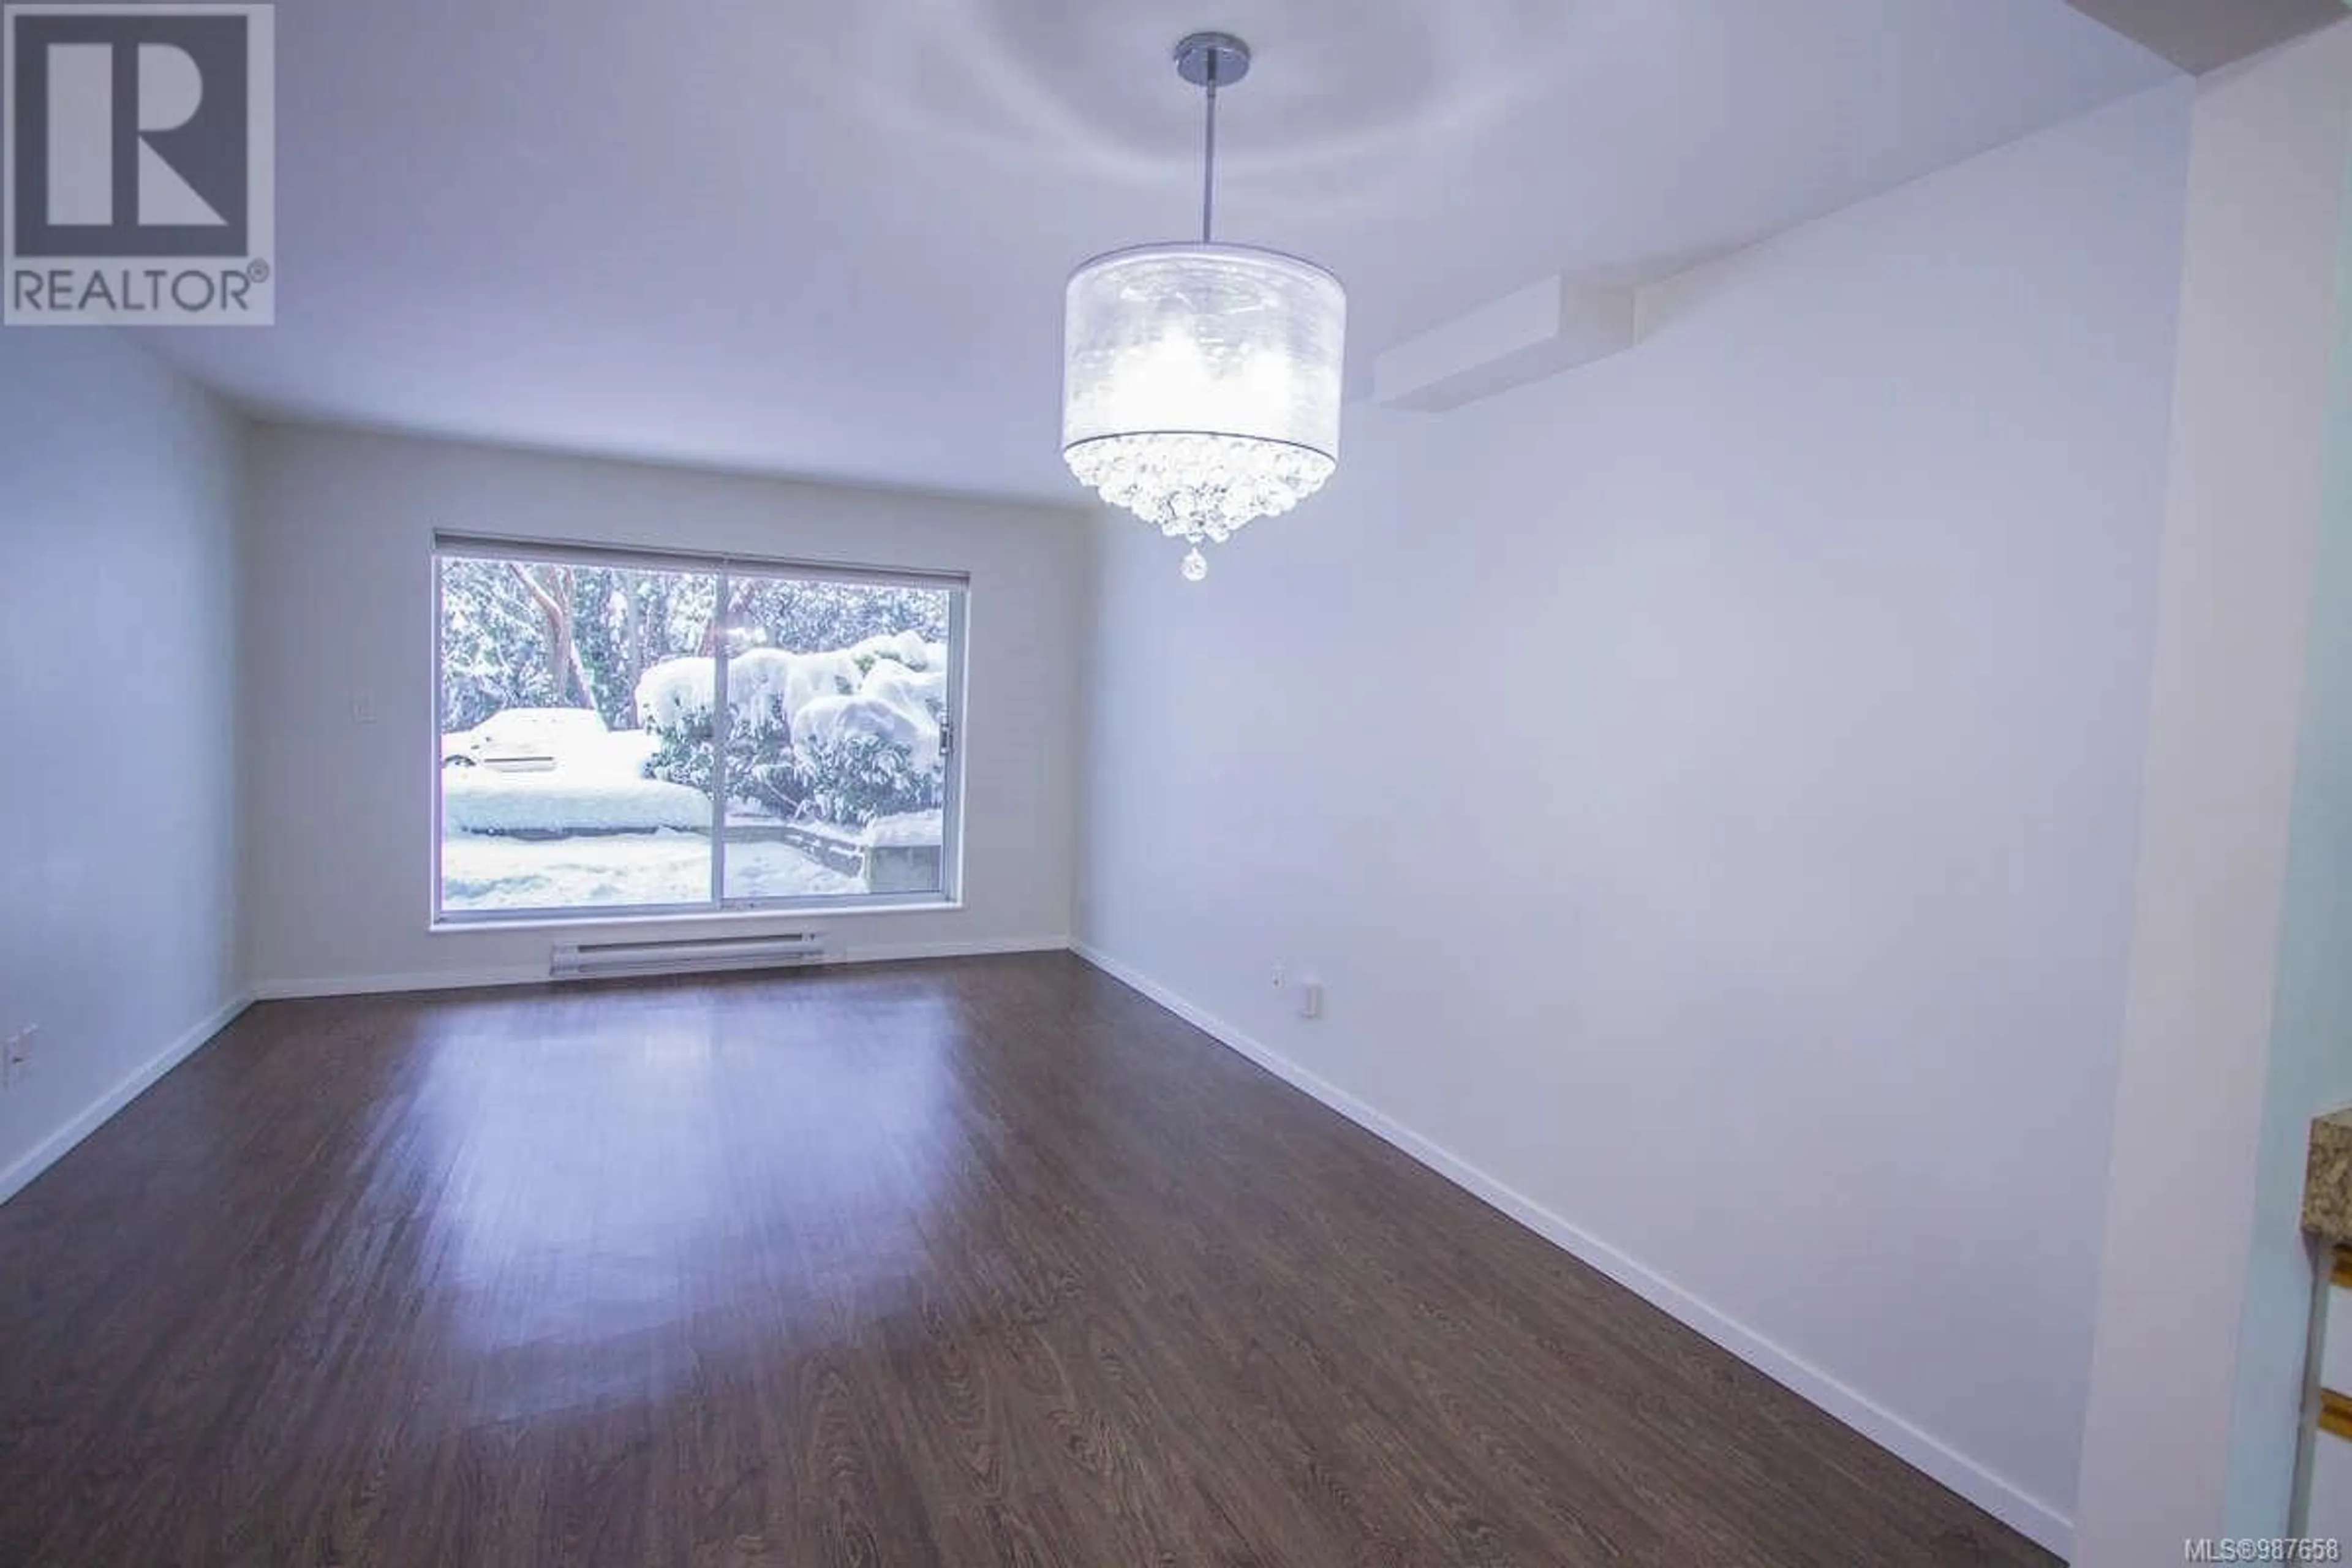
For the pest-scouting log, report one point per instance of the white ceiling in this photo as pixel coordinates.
(829, 239)
(2203, 36)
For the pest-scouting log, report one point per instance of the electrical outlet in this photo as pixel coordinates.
(16, 1055)
(1279, 978)
(1310, 998)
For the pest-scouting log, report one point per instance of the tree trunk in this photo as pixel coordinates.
(565, 673)
(633, 643)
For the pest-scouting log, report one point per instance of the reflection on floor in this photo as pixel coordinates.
(985, 1261)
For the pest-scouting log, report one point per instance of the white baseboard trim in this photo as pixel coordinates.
(382, 984)
(19, 1177)
(536, 973)
(883, 952)
(1987, 1489)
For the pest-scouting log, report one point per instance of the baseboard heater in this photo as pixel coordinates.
(584, 961)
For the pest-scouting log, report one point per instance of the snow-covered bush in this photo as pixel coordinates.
(858, 775)
(760, 766)
(760, 685)
(905, 649)
(914, 691)
(672, 692)
(674, 701)
(873, 754)
(899, 723)
(815, 675)
(849, 734)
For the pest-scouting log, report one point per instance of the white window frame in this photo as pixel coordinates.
(957, 586)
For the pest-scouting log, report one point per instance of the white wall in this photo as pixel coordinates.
(2311, 1030)
(339, 584)
(1707, 781)
(2204, 1286)
(119, 487)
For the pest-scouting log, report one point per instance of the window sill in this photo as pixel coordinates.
(697, 918)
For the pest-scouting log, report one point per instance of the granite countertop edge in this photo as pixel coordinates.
(2328, 1179)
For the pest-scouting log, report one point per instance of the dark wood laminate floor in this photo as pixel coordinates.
(980, 1262)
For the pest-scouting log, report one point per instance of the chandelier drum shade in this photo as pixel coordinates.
(1201, 381)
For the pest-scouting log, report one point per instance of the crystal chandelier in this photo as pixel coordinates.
(1201, 383)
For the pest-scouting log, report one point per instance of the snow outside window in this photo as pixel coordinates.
(584, 767)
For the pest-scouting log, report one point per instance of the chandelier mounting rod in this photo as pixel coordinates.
(1208, 61)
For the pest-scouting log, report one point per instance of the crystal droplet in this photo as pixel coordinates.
(1196, 565)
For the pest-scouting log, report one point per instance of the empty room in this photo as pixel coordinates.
(1074, 783)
